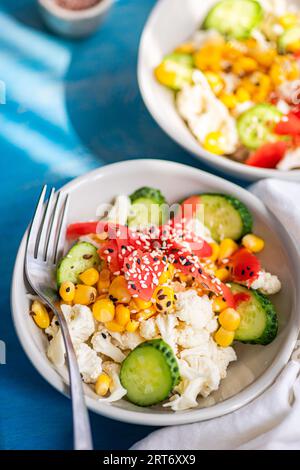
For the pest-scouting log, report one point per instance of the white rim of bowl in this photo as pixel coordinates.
(152, 419)
(221, 161)
(74, 15)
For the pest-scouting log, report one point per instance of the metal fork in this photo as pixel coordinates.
(45, 246)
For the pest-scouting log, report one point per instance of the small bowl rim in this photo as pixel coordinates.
(221, 162)
(75, 15)
(148, 418)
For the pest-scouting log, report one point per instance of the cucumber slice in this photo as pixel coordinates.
(259, 324)
(82, 256)
(175, 70)
(225, 216)
(147, 208)
(234, 18)
(255, 126)
(149, 373)
(290, 36)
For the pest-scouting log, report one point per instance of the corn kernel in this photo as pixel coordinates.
(114, 326)
(118, 290)
(242, 95)
(182, 277)
(104, 310)
(222, 274)
(229, 100)
(215, 251)
(245, 65)
(104, 281)
(224, 338)
(294, 46)
(219, 304)
(214, 143)
(40, 314)
(132, 326)
(142, 304)
(102, 385)
(215, 81)
(164, 297)
(67, 291)
(227, 248)
(84, 295)
(89, 277)
(122, 315)
(229, 319)
(186, 48)
(253, 243)
(288, 20)
(145, 314)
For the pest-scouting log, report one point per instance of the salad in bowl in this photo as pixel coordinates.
(156, 297)
(236, 82)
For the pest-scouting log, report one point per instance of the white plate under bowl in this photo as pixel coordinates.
(256, 367)
(170, 23)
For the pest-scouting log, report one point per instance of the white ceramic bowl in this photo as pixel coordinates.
(172, 22)
(73, 23)
(257, 366)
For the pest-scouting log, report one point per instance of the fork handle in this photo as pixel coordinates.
(81, 422)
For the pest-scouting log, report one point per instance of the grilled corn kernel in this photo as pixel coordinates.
(132, 326)
(89, 277)
(115, 327)
(215, 81)
(215, 251)
(102, 385)
(222, 274)
(142, 304)
(104, 310)
(67, 291)
(40, 314)
(219, 304)
(164, 298)
(294, 46)
(229, 100)
(118, 290)
(227, 248)
(253, 243)
(242, 95)
(288, 20)
(229, 319)
(245, 65)
(145, 314)
(122, 315)
(104, 281)
(214, 143)
(84, 295)
(224, 337)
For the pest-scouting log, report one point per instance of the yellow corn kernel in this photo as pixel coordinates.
(104, 281)
(133, 306)
(227, 248)
(102, 385)
(132, 326)
(67, 291)
(164, 76)
(40, 314)
(294, 46)
(209, 57)
(182, 277)
(186, 48)
(229, 100)
(142, 304)
(245, 65)
(242, 95)
(285, 68)
(215, 81)
(164, 298)
(104, 310)
(215, 251)
(219, 304)
(145, 314)
(122, 315)
(224, 337)
(214, 143)
(115, 327)
(229, 319)
(118, 290)
(84, 295)
(222, 274)
(288, 20)
(253, 243)
(89, 277)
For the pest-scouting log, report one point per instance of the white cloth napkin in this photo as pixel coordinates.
(272, 420)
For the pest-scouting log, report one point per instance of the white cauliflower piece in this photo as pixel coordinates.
(56, 349)
(266, 283)
(89, 363)
(117, 390)
(126, 340)
(188, 397)
(188, 337)
(167, 329)
(101, 342)
(194, 310)
(148, 328)
(80, 321)
(222, 357)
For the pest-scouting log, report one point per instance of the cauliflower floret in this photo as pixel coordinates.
(188, 337)
(148, 328)
(222, 357)
(80, 321)
(89, 363)
(194, 310)
(101, 342)
(190, 389)
(167, 329)
(117, 391)
(126, 340)
(266, 283)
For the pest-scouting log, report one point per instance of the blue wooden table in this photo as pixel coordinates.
(71, 106)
